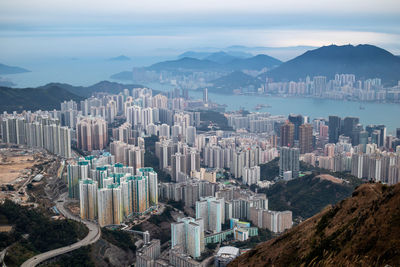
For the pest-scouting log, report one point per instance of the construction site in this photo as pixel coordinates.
(23, 170)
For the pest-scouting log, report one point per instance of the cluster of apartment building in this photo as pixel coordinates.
(187, 192)
(229, 204)
(343, 86)
(39, 129)
(373, 164)
(111, 192)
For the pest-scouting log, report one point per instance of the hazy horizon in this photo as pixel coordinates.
(48, 29)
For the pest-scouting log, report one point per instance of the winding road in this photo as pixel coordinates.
(93, 235)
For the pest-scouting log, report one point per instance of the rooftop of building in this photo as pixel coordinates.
(228, 250)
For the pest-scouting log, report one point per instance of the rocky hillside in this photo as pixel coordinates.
(308, 195)
(363, 230)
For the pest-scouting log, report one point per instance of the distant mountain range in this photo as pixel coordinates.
(214, 56)
(50, 96)
(221, 57)
(258, 62)
(223, 62)
(5, 69)
(119, 58)
(185, 64)
(365, 61)
(194, 54)
(363, 230)
(234, 48)
(286, 53)
(233, 81)
(220, 61)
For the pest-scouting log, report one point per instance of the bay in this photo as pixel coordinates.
(369, 113)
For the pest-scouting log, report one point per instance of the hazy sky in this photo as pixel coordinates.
(33, 28)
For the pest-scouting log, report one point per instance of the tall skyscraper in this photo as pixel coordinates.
(152, 184)
(127, 154)
(355, 139)
(382, 130)
(377, 134)
(193, 239)
(363, 140)
(88, 199)
(202, 212)
(190, 135)
(287, 134)
(178, 234)
(75, 173)
(135, 193)
(91, 133)
(65, 142)
(334, 129)
(319, 85)
(109, 205)
(306, 138)
(215, 215)
(289, 161)
(349, 124)
(376, 137)
(205, 95)
(178, 163)
(13, 130)
(188, 233)
(212, 211)
(251, 175)
(297, 120)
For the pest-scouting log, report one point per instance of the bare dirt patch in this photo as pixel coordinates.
(11, 168)
(331, 178)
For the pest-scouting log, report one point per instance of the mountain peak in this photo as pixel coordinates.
(365, 61)
(220, 57)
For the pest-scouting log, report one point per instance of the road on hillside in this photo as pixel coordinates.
(93, 235)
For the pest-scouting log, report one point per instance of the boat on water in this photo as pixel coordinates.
(260, 106)
(361, 107)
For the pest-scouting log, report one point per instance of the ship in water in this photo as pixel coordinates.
(260, 106)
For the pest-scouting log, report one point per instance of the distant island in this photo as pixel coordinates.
(120, 58)
(217, 62)
(6, 69)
